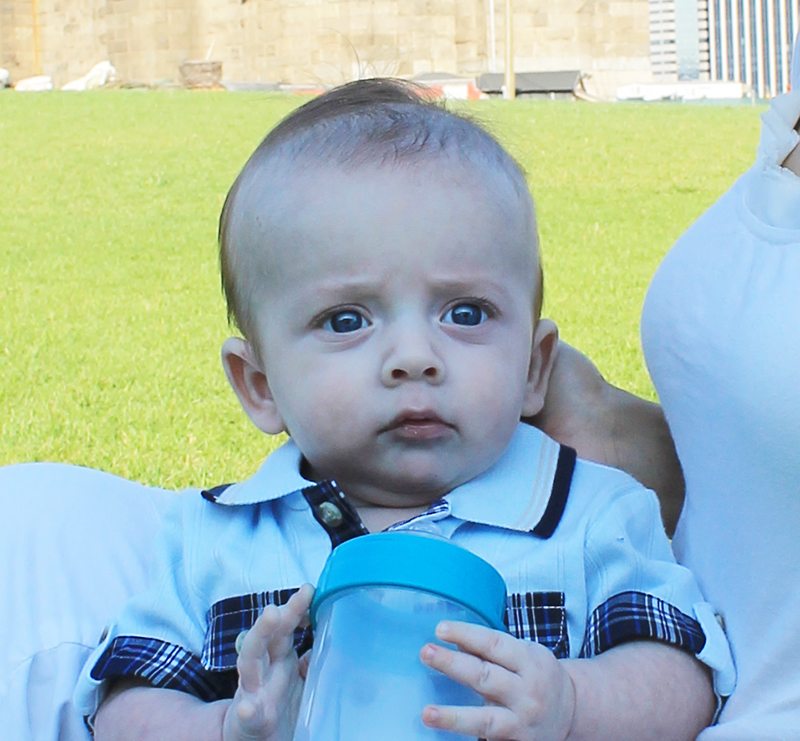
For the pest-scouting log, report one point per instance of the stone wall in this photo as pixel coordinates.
(323, 42)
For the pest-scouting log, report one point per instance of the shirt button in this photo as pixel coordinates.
(239, 641)
(330, 514)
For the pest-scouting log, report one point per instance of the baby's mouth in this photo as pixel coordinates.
(419, 426)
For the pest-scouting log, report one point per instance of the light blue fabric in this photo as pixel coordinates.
(261, 536)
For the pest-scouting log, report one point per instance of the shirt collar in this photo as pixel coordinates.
(514, 493)
(278, 476)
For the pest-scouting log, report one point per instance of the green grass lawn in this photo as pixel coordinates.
(112, 316)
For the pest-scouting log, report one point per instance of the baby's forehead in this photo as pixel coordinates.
(283, 190)
(337, 220)
(301, 221)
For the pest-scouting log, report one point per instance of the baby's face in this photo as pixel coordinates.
(395, 327)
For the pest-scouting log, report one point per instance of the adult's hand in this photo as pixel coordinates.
(792, 162)
(608, 425)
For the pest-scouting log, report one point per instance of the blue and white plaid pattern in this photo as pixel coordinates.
(533, 616)
(228, 618)
(163, 665)
(439, 507)
(631, 616)
(539, 617)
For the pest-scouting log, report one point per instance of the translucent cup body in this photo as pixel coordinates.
(365, 678)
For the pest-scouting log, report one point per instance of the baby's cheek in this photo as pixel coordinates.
(496, 405)
(325, 415)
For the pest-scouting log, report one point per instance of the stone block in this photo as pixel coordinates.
(295, 39)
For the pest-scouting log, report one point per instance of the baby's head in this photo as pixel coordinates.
(380, 256)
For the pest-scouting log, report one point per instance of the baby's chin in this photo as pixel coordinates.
(411, 490)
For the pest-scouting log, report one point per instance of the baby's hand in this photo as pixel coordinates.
(268, 697)
(529, 693)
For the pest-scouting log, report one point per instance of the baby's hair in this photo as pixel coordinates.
(375, 122)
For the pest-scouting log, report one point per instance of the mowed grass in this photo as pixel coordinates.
(112, 316)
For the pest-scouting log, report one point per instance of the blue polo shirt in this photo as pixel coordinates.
(581, 548)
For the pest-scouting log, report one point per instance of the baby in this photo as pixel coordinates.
(380, 257)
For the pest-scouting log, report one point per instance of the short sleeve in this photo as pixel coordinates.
(637, 591)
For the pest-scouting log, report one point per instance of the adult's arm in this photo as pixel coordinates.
(76, 543)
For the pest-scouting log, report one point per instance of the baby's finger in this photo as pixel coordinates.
(302, 665)
(493, 682)
(254, 658)
(492, 645)
(487, 722)
(296, 609)
(271, 638)
(290, 617)
(277, 625)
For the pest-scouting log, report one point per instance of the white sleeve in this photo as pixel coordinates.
(76, 543)
(778, 135)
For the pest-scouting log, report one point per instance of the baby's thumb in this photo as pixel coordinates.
(302, 665)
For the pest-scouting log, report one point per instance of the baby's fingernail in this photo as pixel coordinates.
(430, 715)
(443, 629)
(428, 651)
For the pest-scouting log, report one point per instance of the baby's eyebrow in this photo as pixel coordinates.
(456, 286)
(356, 284)
(469, 286)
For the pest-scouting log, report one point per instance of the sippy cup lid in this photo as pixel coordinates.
(414, 561)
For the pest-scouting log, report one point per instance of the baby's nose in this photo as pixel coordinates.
(414, 359)
(430, 372)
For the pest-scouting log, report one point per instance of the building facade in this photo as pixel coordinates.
(751, 42)
(746, 41)
(326, 42)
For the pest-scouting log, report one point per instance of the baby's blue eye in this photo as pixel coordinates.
(467, 315)
(345, 321)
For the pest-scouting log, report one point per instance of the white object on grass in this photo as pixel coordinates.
(98, 76)
(36, 84)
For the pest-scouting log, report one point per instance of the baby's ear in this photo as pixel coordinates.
(249, 381)
(543, 355)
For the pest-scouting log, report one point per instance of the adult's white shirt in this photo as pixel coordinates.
(721, 335)
(76, 544)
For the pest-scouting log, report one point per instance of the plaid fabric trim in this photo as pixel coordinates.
(539, 617)
(228, 618)
(333, 512)
(440, 506)
(631, 616)
(163, 665)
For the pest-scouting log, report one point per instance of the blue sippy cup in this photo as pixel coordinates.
(377, 603)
